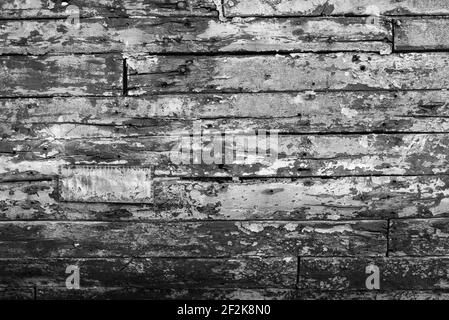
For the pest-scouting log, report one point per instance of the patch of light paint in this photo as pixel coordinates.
(218, 29)
(372, 10)
(254, 227)
(303, 7)
(277, 164)
(298, 99)
(47, 167)
(349, 113)
(442, 284)
(290, 227)
(364, 142)
(143, 64)
(333, 217)
(408, 212)
(336, 229)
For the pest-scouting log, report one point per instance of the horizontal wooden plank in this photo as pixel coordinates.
(192, 239)
(234, 8)
(421, 34)
(133, 293)
(290, 156)
(13, 9)
(309, 112)
(61, 75)
(308, 199)
(422, 237)
(232, 294)
(302, 71)
(159, 35)
(395, 295)
(347, 274)
(106, 184)
(16, 293)
(156, 273)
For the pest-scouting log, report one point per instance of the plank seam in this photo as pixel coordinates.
(388, 237)
(125, 77)
(298, 276)
(225, 92)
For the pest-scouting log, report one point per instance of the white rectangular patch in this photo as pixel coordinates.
(106, 184)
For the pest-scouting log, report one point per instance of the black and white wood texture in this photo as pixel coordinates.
(91, 114)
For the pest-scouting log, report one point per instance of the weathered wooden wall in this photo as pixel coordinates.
(89, 118)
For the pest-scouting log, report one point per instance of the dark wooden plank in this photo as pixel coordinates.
(132, 293)
(421, 34)
(309, 112)
(106, 184)
(194, 35)
(263, 199)
(156, 273)
(44, 293)
(395, 274)
(13, 9)
(61, 75)
(16, 293)
(302, 71)
(291, 156)
(422, 237)
(192, 239)
(374, 295)
(235, 8)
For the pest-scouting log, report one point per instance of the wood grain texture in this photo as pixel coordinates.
(300, 112)
(333, 7)
(132, 293)
(346, 274)
(340, 71)
(297, 156)
(29, 200)
(422, 34)
(353, 95)
(159, 35)
(16, 293)
(155, 273)
(61, 75)
(422, 237)
(232, 294)
(192, 239)
(305, 199)
(106, 184)
(12, 9)
(262, 199)
(395, 295)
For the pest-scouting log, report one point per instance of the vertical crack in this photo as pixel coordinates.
(388, 237)
(298, 277)
(125, 78)
(395, 23)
